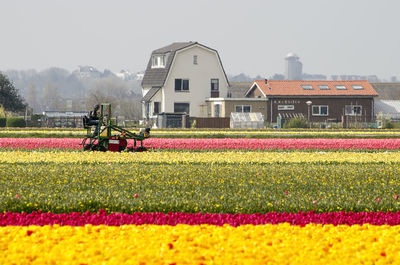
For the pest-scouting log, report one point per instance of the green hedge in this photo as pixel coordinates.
(3, 122)
(296, 123)
(16, 122)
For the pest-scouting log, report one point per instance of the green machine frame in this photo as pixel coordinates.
(101, 141)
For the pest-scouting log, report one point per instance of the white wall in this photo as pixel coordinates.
(208, 67)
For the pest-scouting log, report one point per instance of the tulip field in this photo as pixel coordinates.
(201, 201)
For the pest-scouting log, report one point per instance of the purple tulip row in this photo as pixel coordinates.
(116, 219)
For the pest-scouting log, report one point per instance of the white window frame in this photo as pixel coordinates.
(285, 107)
(352, 113)
(319, 110)
(242, 108)
(158, 61)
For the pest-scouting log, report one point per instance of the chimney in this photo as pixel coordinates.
(266, 81)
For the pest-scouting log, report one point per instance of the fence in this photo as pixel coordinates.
(212, 122)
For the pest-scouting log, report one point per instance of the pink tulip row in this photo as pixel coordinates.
(40, 143)
(116, 219)
(210, 144)
(275, 143)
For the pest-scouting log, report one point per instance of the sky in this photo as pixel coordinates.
(253, 36)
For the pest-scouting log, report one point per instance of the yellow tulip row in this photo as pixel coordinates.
(228, 157)
(207, 244)
(227, 132)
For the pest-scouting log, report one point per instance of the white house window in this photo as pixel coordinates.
(158, 61)
(156, 107)
(353, 110)
(182, 107)
(194, 59)
(285, 107)
(215, 84)
(320, 110)
(217, 110)
(340, 87)
(181, 85)
(242, 108)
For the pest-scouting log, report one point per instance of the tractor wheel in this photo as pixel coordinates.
(98, 147)
(87, 147)
(130, 149)
(141, 149)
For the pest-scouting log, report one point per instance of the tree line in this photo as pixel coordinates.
(59, 89)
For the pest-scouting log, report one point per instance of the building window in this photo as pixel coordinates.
(323, 87)
(307, 87)
(340, 87)
(285, 107)
(181, 84)
(158, 61)
(147, 110)
(215, 84)
(321, 110)
(217, 110)
(194, 59)
(182, 107)
(353, 110)
(156, 108)
(357, 87)
(242, 108)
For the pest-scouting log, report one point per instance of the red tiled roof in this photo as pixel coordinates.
(294, 88)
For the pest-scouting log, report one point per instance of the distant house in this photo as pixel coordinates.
(317, 101)
(180, 78)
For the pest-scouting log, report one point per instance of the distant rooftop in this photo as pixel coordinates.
(314, 88)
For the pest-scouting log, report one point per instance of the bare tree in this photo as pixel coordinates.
(51, 98)
(117, 92)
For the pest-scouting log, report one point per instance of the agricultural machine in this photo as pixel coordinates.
(105, 140)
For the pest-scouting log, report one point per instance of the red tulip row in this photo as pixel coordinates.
(210, 144)
(116, 219)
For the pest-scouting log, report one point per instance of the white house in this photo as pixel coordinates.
(180, 78)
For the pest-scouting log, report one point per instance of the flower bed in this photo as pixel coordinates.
(117, 219)
(227, 157)
(226, 207)
(215, 144)
(204, 244)
(225, 182)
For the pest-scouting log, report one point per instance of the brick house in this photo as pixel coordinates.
(316, 101)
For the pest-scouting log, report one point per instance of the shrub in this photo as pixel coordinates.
(296, 123)
(389, 125)
(16, 122)
(3, 122)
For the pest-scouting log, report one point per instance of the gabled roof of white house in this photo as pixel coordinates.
(149, 95)
(155, 77)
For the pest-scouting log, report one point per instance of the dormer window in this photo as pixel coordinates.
(158, 61)
(307, 87)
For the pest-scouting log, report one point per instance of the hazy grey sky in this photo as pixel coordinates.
(330, 37)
